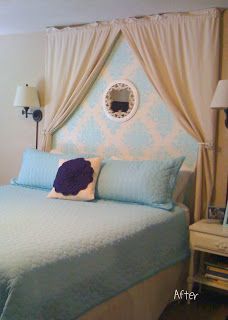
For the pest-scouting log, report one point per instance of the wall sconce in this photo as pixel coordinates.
(220, 98)
(27, 97)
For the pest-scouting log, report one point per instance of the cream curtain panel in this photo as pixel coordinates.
(180, 55)
(74, 58)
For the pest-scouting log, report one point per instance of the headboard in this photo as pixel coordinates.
(153, 132)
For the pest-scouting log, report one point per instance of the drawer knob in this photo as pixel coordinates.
(218, 245)
(221, 245)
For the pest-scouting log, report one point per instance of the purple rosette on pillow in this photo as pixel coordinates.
(73, 176)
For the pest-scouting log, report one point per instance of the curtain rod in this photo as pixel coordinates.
(136, 17)
(87, 23)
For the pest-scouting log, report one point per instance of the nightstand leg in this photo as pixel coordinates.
(191, 272)
(201, 268)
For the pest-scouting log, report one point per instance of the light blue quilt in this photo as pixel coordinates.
(60, 258)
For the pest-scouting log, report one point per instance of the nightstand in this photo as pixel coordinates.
(206, 237)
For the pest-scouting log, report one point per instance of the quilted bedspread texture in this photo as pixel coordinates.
(60, 258)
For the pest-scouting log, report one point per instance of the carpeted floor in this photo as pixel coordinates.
(209, 306)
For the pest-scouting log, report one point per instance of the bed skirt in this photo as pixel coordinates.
(146, 300)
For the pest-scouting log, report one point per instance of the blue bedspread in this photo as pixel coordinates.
(60, 258)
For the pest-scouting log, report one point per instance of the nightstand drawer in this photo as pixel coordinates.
(208, 242)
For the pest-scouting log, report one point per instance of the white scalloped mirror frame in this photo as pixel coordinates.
(133, 100)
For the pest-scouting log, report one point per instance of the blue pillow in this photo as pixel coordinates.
(149, 182)
(38, 169)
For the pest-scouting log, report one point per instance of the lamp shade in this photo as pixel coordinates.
(26, 97)
(220, 98)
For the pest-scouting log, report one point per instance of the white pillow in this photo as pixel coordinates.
(181, 185)
(56, 151)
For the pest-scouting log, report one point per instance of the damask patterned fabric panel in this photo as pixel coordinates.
(152, 133)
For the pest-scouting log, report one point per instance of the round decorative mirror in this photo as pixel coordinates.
(120, 100)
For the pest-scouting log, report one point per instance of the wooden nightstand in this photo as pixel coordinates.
(211, 238)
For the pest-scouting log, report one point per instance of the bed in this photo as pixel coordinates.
(88, 260)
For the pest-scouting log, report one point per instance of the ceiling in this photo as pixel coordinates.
(21, 16)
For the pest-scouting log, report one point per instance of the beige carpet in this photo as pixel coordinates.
(210, 306)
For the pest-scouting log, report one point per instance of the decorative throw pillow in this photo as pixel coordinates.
(38, 168)
(149, 182)
(76, 179)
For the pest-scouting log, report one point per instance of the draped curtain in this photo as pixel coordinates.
(74, 58)
(180, 55)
